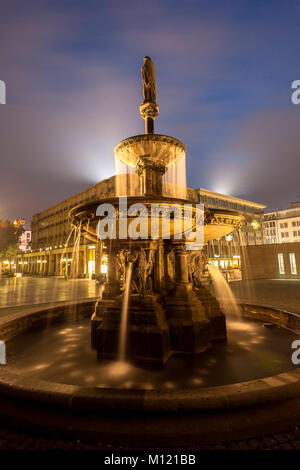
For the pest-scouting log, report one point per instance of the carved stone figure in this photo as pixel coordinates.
(148, 79)
(121, 258)
(141, 283)
(196, 265)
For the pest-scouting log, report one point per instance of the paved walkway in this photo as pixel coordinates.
(27, 291)
(11, 439)
(15, 292)
(277, 293)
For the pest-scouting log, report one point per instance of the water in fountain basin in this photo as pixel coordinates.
(223, 292)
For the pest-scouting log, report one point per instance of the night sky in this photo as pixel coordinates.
(224, 71)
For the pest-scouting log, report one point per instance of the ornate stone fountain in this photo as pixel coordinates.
(170, 311)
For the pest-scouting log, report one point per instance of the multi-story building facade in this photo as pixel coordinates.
(279, 257)
(25, 240)
(283, 226)
(53, 240)
(225, 253)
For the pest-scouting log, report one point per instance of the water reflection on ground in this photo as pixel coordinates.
(37, 290)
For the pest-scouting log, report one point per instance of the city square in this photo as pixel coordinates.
(140, 311)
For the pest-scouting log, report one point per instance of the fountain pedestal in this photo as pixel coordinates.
(189, 327)
(213, 313)
(148, 341)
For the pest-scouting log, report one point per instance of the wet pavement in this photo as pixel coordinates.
(19, 291)
(277, 293)
(29, 290)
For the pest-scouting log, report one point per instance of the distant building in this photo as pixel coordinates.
(279, 257)
(25, 240)
(272, 261)
(283, 226)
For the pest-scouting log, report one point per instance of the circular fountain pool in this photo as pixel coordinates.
(62, 353)
(54, 384)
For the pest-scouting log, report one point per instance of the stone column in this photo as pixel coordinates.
(151, 175)
(51, 265)
(98, 258)
(112, 287)
(181, 265)
(85, 263)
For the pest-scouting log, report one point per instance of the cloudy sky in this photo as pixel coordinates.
(224, 73)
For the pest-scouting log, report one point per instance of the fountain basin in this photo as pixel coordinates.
(217, 222)
(158, 148)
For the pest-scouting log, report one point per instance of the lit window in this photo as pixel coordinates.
(281, 263)
(293, 263)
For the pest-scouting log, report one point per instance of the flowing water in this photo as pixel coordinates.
(124, 315)
(76, 252)
(247, 292)
(223, 292)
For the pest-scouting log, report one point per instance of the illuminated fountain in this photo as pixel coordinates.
(169, 310)
(154, 306)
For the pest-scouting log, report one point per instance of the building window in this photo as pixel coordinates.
(293, 263)
(281, 263)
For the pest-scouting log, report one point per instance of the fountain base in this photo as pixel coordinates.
(186, 321)
(189, 327)
(148, 332)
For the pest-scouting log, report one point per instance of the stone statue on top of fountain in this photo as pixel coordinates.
(149, 82)
(149, 109)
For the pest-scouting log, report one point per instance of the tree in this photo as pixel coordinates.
(9, 237)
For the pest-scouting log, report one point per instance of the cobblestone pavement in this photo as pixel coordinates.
(14, 440)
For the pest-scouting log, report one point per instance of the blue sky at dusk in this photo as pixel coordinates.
(224, 72)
